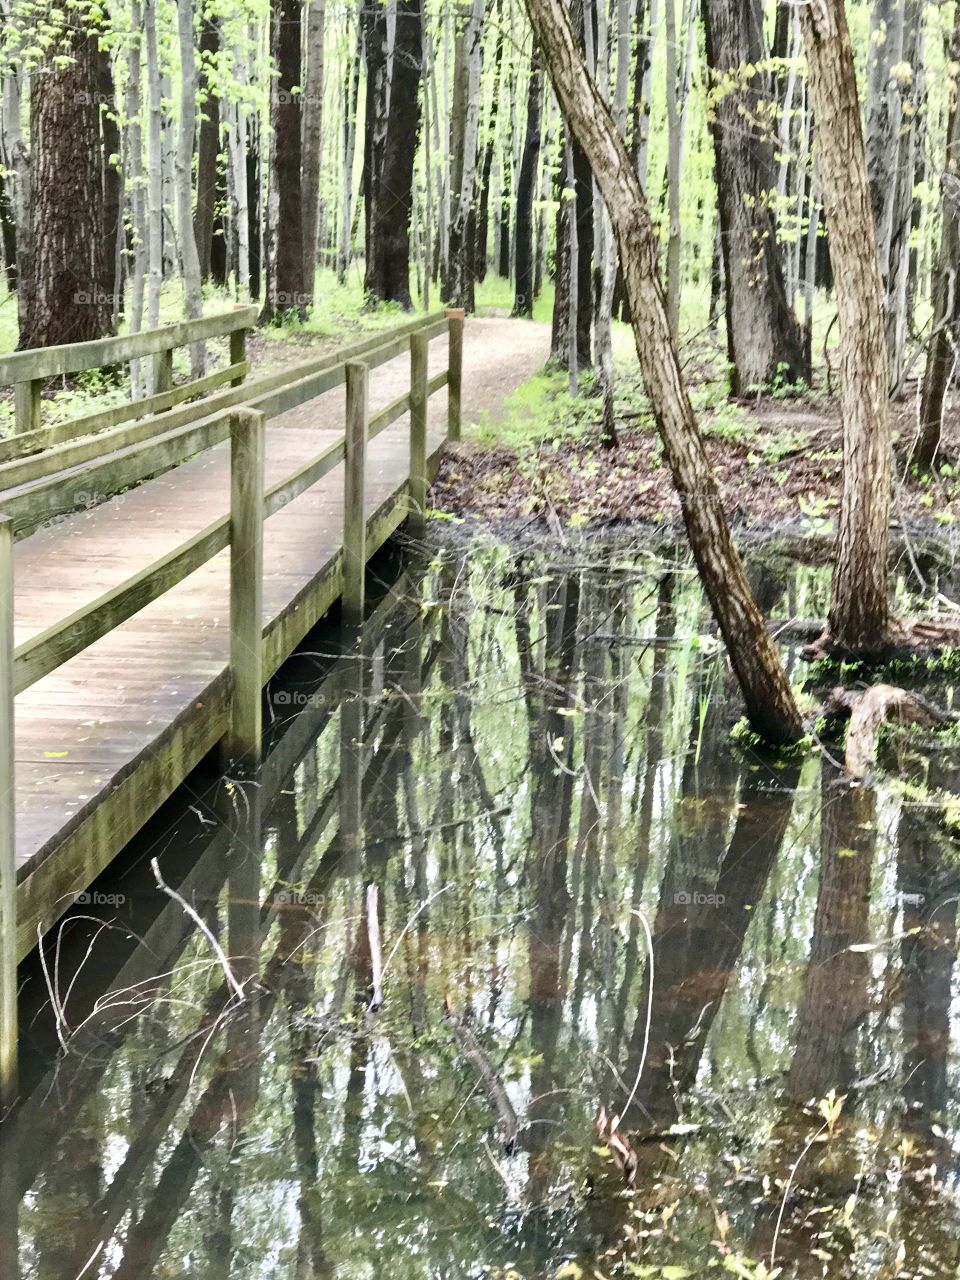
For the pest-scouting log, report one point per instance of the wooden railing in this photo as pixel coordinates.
(27, 371)
(46, 485)
(251, 503)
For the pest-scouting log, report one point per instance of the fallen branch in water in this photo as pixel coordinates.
(870, 710)
(376, 952)
(508, 1126)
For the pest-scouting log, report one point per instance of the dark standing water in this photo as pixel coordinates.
(513, 869)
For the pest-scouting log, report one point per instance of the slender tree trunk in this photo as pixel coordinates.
(18, 256)
(154, 169)
(69, 301)
(859, 613)
(388, 251)
(290, 293)
(464, 126)
(351, 96)
(673, 171)
(763, 339)
(208, 144)
(942, 354)
(312, 107)
(189, 261)
(112, 185)
(523, 291)
(133, 165)
(766, 689)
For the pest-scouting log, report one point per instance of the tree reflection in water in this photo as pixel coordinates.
(475, 799)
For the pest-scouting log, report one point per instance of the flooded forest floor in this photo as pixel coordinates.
(778, 462)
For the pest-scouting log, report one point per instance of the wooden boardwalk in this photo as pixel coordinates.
(104, 739)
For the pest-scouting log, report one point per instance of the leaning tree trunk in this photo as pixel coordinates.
(766, 689)
(289, 294)
(942, 355)
(388, 252)
(763, 339)
(523, 239)
(70, 299)
(859, 620)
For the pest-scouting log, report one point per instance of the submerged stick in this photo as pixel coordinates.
(376, 952)
(508, 1126)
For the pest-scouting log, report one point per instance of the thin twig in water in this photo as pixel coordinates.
(228, 973)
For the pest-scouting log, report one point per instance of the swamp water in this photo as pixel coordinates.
(506, 866)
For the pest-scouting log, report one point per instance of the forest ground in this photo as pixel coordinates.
(778, 461)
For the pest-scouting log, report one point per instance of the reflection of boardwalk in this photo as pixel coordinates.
(106, 737)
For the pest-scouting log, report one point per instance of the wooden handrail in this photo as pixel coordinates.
(100, 353)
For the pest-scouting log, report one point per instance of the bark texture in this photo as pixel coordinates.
(290, 292)
(388, 246)
(942, 354)
(766, 689)
(763, 339)
(523, 240)
(859, 620)
(70, 300)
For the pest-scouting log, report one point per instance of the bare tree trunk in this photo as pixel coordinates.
(673, 172)
(351, 94)
(388, 247)
(763, 339)
(464, 126)
(16, 162)
(189, 261)
(860, 620)
(133, 165)
(69, 301)
(766, 689)
(943, 351)
(208, 143)
(523, 239)
(312, 107)
(112, 231)
(239, 184)
(154, 171)
(290, 292)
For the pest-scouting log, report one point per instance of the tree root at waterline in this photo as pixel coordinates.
(870, 710)
(904, 641)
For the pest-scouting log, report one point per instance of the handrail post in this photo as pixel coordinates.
(238, 352)
(247, 439)
(26, 405)
(163, 371)
(8, 861)
(455, 317)
(419, 363)
(354, 507)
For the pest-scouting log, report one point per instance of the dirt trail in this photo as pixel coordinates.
(498, 355)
